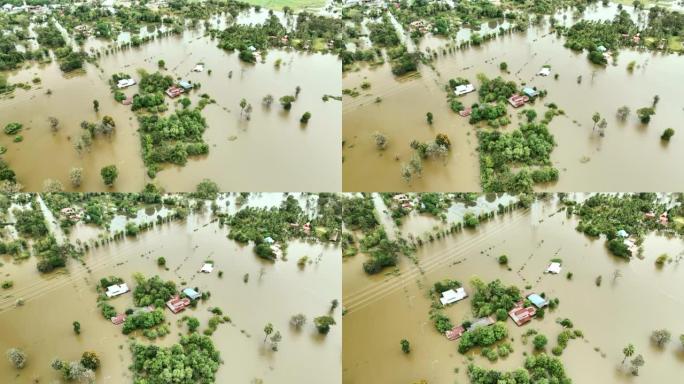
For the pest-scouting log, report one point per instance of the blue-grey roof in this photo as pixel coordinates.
(191, 293)
(537, 300)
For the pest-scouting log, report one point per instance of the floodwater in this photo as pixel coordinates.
(270, 152)
(273, 294)
(623, 160)
(387, 308)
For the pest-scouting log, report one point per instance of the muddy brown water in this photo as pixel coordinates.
(623, 160)
(271, 152)
(42, 327)
(391, 307)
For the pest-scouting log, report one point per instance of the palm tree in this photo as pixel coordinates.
(628, 351)
(596, 117)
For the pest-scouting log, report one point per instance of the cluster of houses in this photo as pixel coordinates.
(662, 219)
(275, 247)
(421, 26)
(35, 9)
(521, 315)
(176, 304)
(403, 201)
(74, 214)
(178, 89)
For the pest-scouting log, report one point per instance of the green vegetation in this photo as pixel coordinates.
(538, 369)
(172, 139)
(16, 357)
(405, 346)
(603, 214)
(528, 146)
(493, 298)
(146, 320)
(13, 128)
(193, 360)
(152, 291)
(667, 134)
(482, 337)
(109, 174)
(323, 324)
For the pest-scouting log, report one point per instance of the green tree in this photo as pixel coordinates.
(268, 329)
(96, 105)
(90, 360)
(161, 64)
(595, 117)
(109, 174)
(305, 118)
(503, 66)
(77, 327)
(16, 357)
(628, 351)
(161, 261)
(286, 102)
(323, 324)
(539, 342)
(667, 134)
(637, 363)
(405, 346)
(661, 337)
(429, 117)
(193, 324)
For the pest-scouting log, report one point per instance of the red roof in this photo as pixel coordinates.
(119, 318)
(174, 92)
(176, 304)
(465, 112)
(455, 333)
(522, 315)
(518, 100)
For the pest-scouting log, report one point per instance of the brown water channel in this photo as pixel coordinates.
(274, 292)
(382, 310)
(271, 152)
(623, 160)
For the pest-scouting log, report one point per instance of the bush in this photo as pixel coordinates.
(16, 357)
(503, 259)
(323, 324)
(539, 342)
(667, 134)
(13, 128)
(109, 174)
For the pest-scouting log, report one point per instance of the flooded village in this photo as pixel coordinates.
(512, 288)
(595, 78)
(102, 288)
(168, 93)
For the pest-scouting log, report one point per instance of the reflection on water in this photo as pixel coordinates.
(386, 309)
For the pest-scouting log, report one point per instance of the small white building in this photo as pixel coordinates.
(7, 7)
(554, 268)
(207, 268)
(545, 71)
(463, 89)
(198, 68)
(125, 83)
(116, 290)
(452, 296)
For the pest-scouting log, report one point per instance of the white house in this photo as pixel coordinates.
(554, 268)
(452, 296)
(125, 83)
(207, 268)
(545, 71)
(198, 68)
(463, 89)
(7, 7)
(116, 290)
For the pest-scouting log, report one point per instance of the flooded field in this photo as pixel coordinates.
(384, 309)
(274, 292)
(622, 160)
(242, 153)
